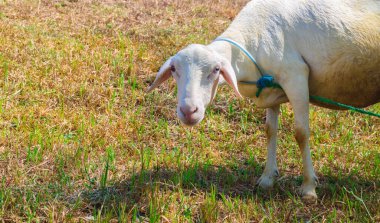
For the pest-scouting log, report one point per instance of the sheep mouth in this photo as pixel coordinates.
(191, 122)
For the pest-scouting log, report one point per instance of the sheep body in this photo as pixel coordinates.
(339, 41)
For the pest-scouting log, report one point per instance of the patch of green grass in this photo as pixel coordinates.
(80, 140)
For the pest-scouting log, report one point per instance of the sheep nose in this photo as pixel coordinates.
(188, 111)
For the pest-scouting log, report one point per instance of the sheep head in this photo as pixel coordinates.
(197, 70)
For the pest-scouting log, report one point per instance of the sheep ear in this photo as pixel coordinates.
(229, 76)
(163, 74)
(214, 88)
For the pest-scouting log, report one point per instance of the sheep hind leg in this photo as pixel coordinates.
(266, 180)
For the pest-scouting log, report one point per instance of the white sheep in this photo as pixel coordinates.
(328, 48)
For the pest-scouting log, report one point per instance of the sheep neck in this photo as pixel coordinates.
(244, 69)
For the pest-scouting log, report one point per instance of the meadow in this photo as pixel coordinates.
(81, 141)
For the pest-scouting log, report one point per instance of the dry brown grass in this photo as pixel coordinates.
(80, 140)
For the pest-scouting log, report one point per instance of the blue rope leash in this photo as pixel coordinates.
(266, 81)
(331, 102)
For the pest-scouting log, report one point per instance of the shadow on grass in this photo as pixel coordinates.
(201, 177)
(238, 182)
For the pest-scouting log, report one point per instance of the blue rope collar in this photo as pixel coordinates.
(242, 49)
(265, 80)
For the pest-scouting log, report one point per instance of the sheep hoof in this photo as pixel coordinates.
(310, 197)
(308, 193)
(266, 181)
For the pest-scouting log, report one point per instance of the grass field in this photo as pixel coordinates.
(81, 141)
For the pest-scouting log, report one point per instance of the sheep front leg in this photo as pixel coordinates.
(302, 134)
(270, 172)
(298, 94)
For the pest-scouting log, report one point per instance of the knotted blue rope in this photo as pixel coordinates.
(263, 82)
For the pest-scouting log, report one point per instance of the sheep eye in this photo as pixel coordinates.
(172, 68)
(214, 73)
